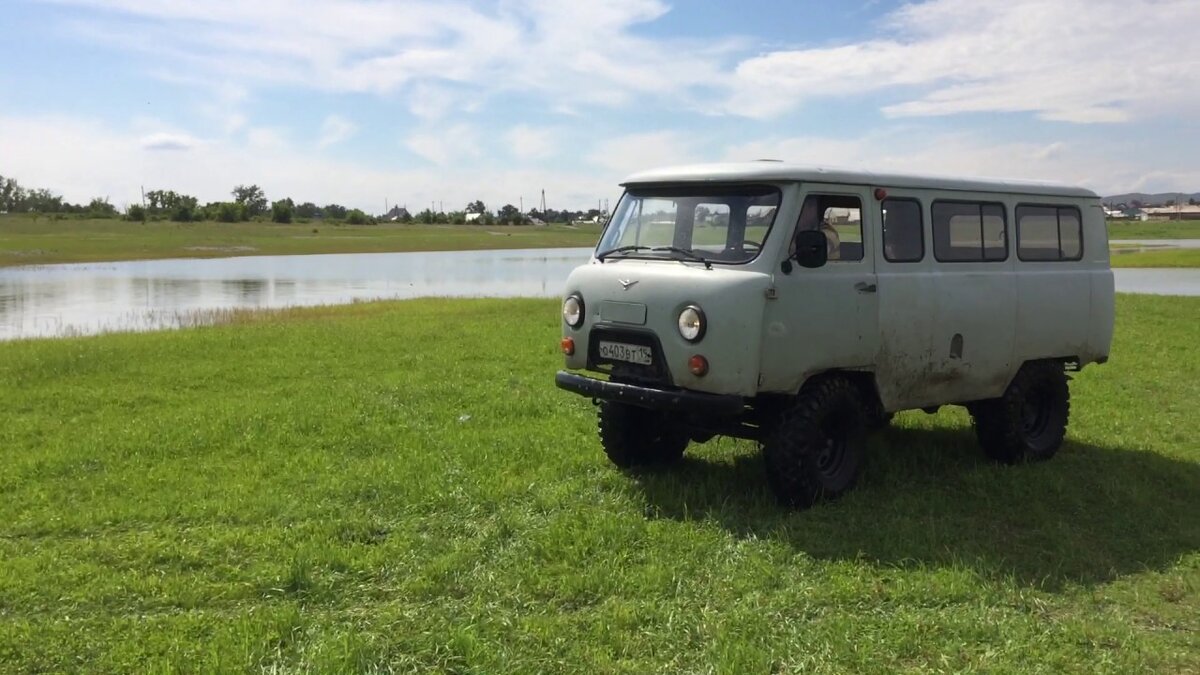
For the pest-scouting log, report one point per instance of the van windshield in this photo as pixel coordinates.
(720, 224)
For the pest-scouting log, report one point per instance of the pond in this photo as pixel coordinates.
(55, 300)
(80, 299)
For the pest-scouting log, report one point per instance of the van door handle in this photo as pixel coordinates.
(864, 287)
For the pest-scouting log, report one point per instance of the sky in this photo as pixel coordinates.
(373, 102)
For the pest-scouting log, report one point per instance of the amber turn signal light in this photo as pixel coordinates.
(698, 365)
(568, 346)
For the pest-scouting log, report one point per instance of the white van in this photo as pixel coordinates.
(799, 307)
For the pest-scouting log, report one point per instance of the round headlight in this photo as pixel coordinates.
(691, 323)
(573, 311)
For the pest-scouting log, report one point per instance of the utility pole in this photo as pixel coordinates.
(543, 202)
(521, 203)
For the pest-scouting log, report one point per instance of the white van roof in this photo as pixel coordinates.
(773, 171)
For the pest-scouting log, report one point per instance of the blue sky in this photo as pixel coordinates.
(362, 101)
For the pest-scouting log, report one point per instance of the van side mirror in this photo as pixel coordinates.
(811, 248)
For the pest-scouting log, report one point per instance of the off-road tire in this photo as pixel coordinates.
(818, 448)
(1029, 421)
(637, 437)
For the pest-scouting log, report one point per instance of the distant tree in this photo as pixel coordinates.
(230, 212)
(252, 198)
(100, 208)
(179, 207)
(476, 206)
(357, 217)
(1192, 201)
(308, 210)
(183, 212)
(43, 201)
(136, 212)
(281, 211)
(508, 215)
(334, 211)
(12, 195)
(456, 217)
(1170, 202)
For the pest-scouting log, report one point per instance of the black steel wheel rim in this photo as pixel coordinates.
(831, 456)
(1035, 414)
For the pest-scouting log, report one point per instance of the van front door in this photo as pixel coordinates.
(824, 318)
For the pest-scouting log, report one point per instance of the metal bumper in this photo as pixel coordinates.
(655, 399)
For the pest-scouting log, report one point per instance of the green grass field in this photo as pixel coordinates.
(26, 242)
(399, 487)
(1180, 257)
(1154, 229)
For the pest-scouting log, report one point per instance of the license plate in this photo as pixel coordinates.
(618, 351)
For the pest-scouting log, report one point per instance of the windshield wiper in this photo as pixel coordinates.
(621, 249)
(687, 252)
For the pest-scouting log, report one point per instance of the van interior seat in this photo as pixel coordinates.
(850, 250)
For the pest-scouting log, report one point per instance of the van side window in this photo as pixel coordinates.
(969, 232)
(1049, 233)
(903, 238)
(839, 217)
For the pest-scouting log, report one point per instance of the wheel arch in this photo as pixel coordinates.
(863, 380)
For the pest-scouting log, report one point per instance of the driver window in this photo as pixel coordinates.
(839, 217)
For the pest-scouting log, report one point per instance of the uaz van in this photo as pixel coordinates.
(801, 307)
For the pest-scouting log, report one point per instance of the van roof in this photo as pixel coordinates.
(774, 171)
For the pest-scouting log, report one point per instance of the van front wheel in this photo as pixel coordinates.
(818, 448)
(634, 436)
(1030, 420)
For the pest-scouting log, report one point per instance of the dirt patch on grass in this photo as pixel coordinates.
(221, 249)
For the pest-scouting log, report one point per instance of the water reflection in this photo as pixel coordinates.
(54, 300)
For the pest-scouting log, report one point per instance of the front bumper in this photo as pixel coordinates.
(646, 397)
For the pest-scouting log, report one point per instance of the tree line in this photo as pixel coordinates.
(250, 203)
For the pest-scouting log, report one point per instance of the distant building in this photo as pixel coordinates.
(472, 217)
(1180, 212)
(397, 213)
(1124, 213)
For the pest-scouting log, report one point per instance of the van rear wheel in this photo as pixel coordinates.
(818, 448)
(633, 436)
(1029, 422)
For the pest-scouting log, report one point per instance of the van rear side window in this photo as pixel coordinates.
(969, 232)
(1049, 233)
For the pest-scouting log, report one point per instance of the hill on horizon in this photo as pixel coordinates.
(1147, 199)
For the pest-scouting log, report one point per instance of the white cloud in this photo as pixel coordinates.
(900, 150)
(334, 130)
(45, 151)
(445, 146)
(266, 138)
(528, 143)
(577, 51)
(1082, 61)
(624, 155)
(167, 141)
